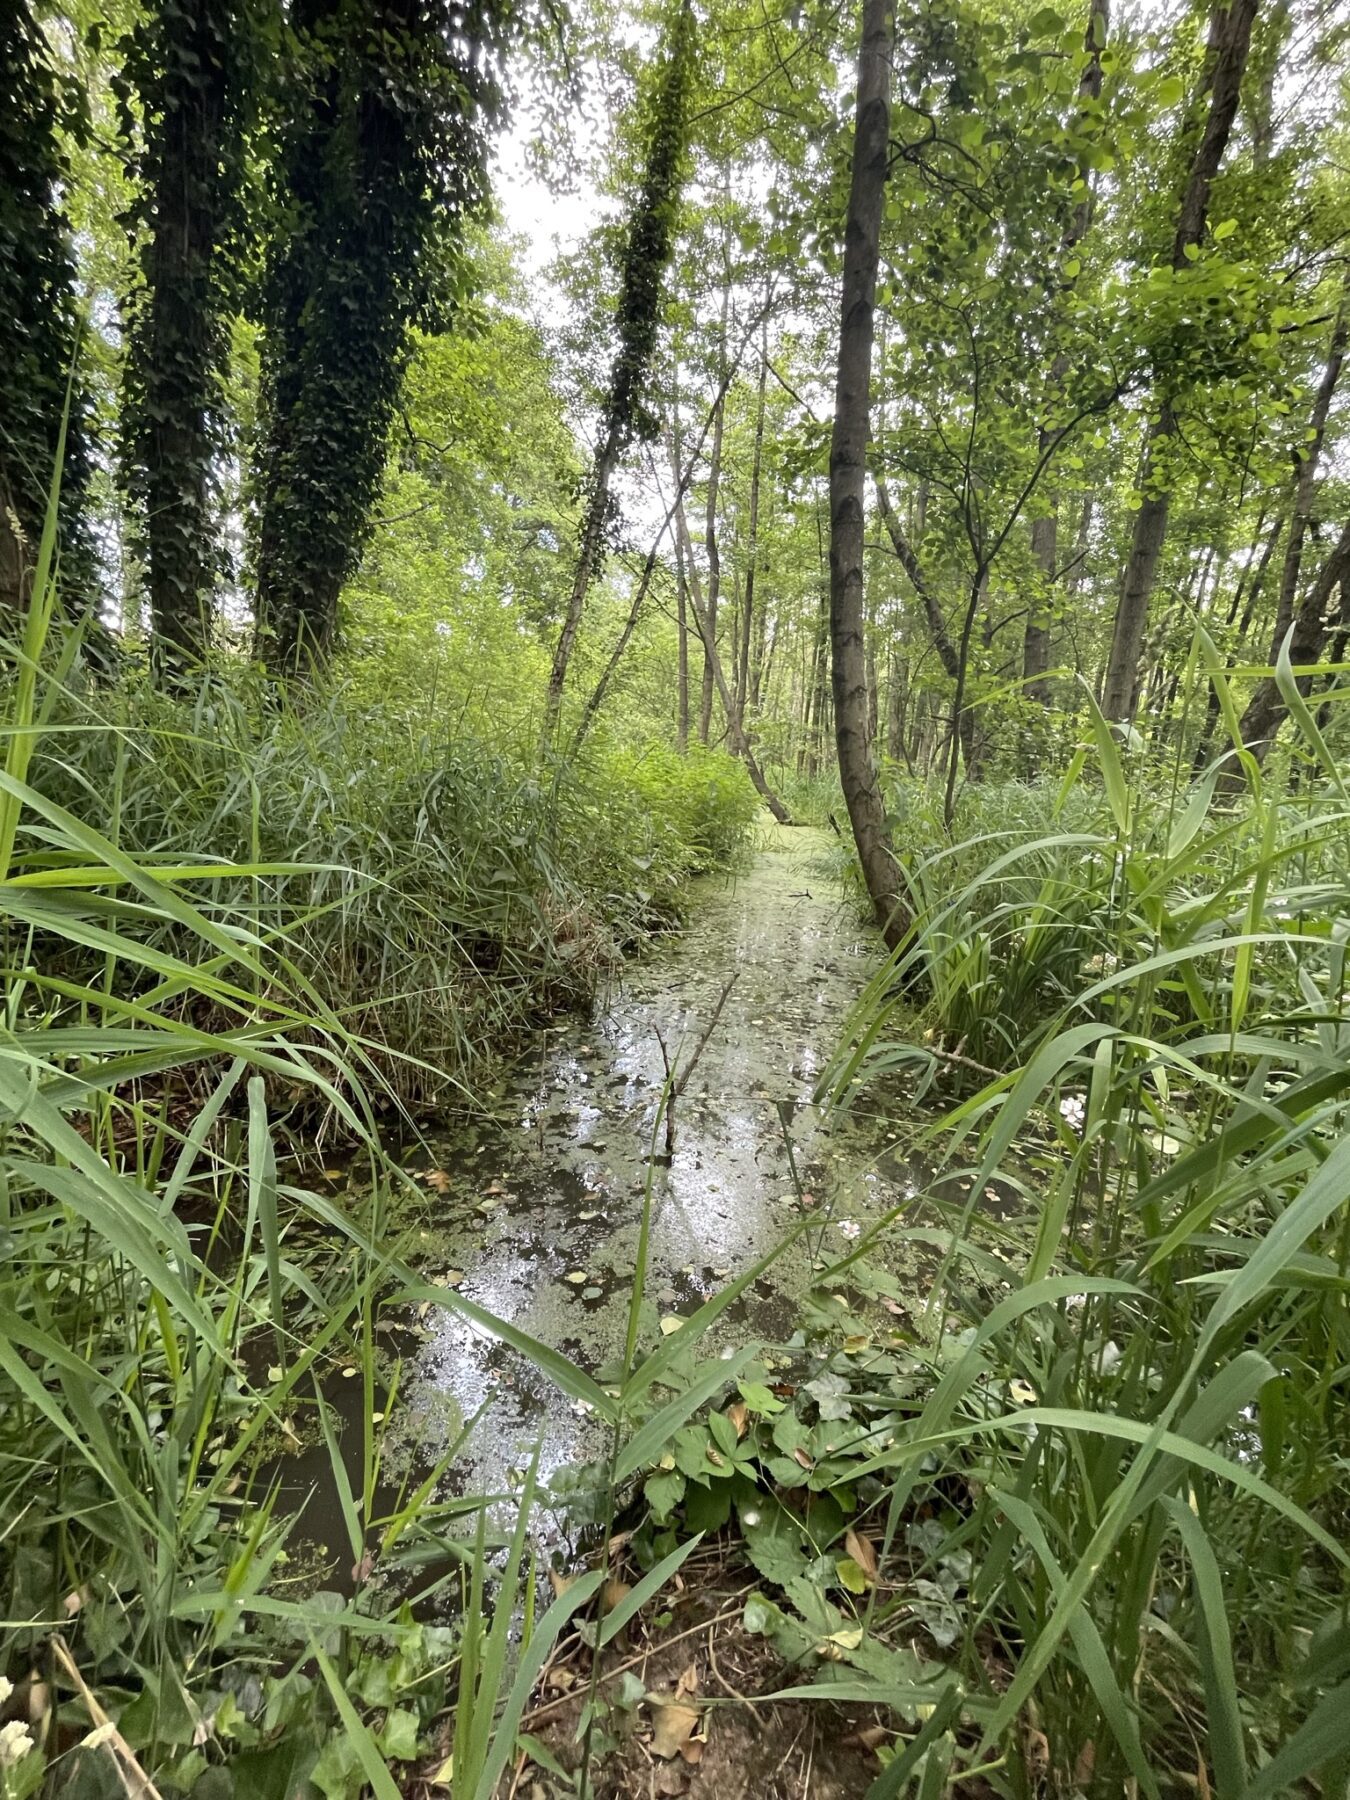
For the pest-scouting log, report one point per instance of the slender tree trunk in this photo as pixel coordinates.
(1267, 707)
(740, 743)
(848, 470)
(1045, 528)
(757, 653)
(1225, 59)
(962, 722)
(818, 699)
(1036, 643)
(752, 560)
(1205, 748)
(948, 654)
(1339, 644)
(710, 523)
(682, 635)
(1306, 489)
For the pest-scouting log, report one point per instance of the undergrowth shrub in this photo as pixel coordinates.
(451, 893)
(701, 803)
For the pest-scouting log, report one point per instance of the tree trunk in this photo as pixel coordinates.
(1339, 645)
(588, 555)
(948, 654)
(1267, 707)
(710, 523)
(848, 471)
(682, 634)
(1306, 488)
(752, 560)
(740, 743)
(1045, 528)
(1225, 59)
(757, 653)
(192, 83)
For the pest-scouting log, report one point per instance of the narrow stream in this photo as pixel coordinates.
(538, 1219)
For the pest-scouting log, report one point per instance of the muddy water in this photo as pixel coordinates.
(538, 1219)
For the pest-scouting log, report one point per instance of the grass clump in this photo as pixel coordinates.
(441, 894)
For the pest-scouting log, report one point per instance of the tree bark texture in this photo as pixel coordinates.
(1311, 623)
(1230, 32)
(848, 470)
(1306, 488)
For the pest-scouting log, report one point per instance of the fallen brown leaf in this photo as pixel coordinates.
(867, 1737)
(863, 1552)
(799, 1455)
(673, 1724)
(438, 1179)
(615, 1591)
(688, 1681)
(739, 1414)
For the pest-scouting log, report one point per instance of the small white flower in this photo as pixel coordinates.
(1073, 1108)
(850, 1228)
(750, 1518)
(16, 1740)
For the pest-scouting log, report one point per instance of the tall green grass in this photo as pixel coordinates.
(215, 907)
(1146, 1397)
(437, 895)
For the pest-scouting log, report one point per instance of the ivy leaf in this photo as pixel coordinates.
(398, 1740)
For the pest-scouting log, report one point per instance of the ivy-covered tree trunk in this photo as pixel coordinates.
(190, 65)
(384, 158)
(712, 600)
(1225, 59)
(848, 468)
(642, 273)
(38, 330)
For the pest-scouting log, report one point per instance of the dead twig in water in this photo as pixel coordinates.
(677, 1083)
